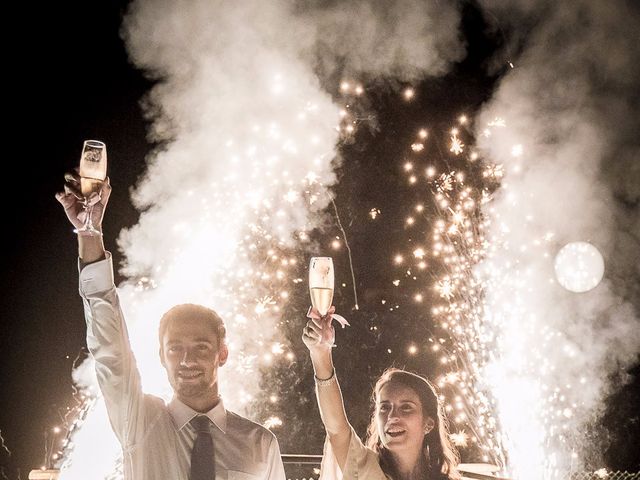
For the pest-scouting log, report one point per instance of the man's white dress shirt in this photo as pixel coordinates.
(157, 438)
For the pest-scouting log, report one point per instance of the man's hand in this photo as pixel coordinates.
(73, 202)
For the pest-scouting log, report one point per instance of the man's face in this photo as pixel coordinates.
(191, 356)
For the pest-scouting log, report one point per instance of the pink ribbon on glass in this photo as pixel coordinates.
(328, 334)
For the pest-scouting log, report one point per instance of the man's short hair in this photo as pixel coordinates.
(193, 311)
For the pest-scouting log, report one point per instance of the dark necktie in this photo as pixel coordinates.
(203, 460)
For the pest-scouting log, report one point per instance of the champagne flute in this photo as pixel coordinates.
(93, 171)
(321, 280)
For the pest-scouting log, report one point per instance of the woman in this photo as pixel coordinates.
(407, 436)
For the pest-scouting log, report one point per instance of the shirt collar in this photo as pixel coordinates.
(181, 414)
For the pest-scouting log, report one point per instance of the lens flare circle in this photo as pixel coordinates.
(579, 267)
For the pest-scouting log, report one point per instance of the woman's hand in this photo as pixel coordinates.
(319, 333)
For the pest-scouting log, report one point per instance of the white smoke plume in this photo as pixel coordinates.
(569, 106)
(400, 40)
(247, 136)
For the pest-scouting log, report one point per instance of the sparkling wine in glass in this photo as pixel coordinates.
(93, 171)
(321, 279)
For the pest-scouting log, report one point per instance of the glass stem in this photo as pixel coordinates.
(88, 224)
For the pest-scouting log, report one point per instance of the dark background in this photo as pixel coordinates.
(72, 82)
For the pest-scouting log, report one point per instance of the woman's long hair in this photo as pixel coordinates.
(440, 455)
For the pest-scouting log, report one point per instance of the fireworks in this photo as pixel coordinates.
(503, 392)
(482, 323)
(457, 146)
(224, 209)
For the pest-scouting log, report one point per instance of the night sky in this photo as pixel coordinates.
(74, 82)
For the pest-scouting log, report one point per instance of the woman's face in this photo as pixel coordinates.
(401, 423)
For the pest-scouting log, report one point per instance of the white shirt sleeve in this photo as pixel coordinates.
(108, 342)
(362, 462)
(275, 467)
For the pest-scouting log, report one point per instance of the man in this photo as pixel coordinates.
(194, 435)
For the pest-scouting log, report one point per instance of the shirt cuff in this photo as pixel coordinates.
(96, 277)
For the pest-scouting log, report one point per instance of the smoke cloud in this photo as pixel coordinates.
(401, 40)
(569, 102)
(246, 136)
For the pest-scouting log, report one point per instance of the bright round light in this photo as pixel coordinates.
(579, 267)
